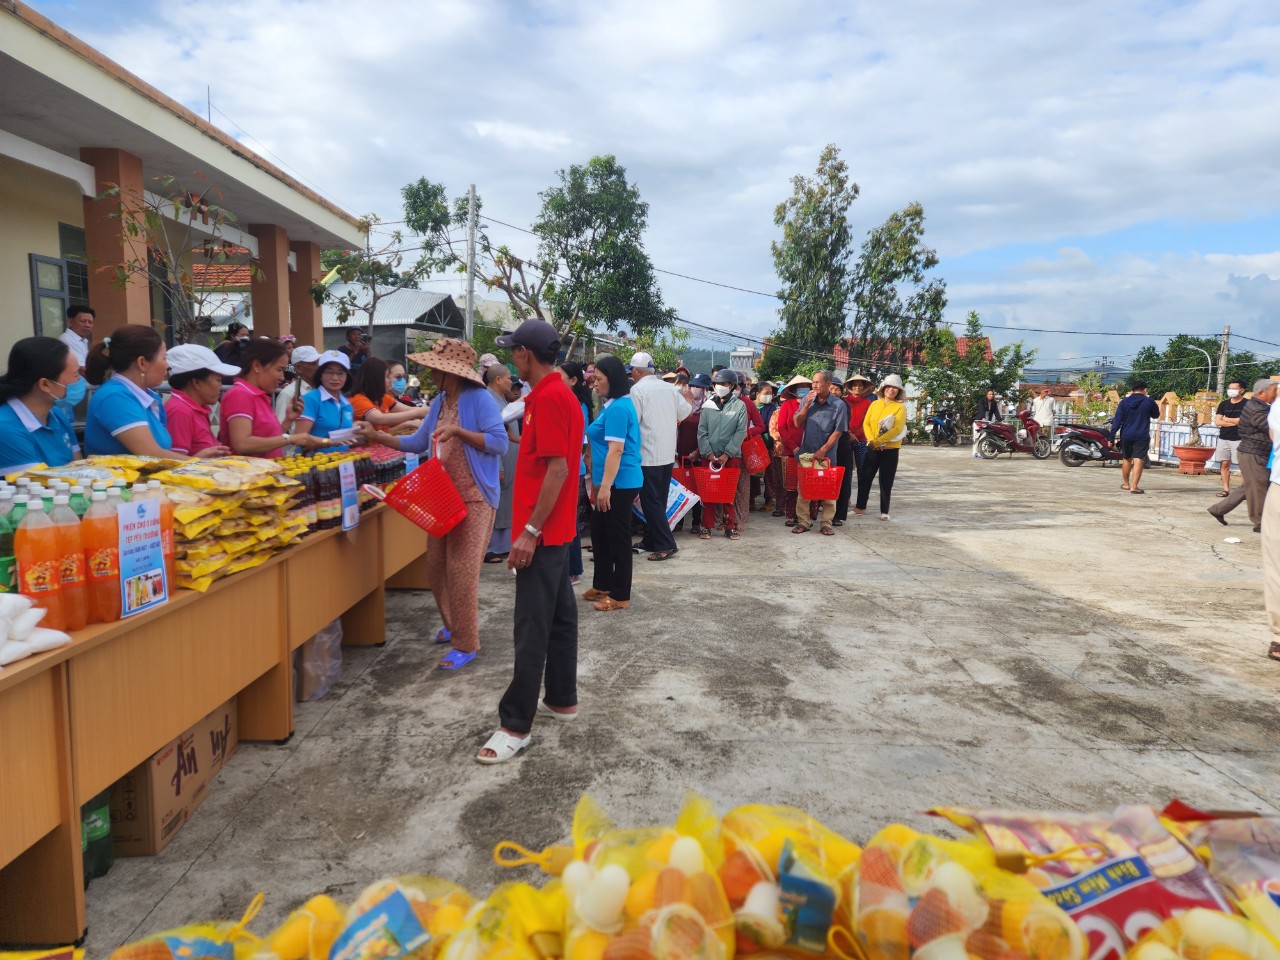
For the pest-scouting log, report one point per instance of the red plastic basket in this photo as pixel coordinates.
(821, 483)
(682, 474)
(427, 497)
(755, 455)
(789, 479)
(716, 486)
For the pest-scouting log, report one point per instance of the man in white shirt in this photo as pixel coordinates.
(304, 365)
(1042, 410)
(660, 406)
(1271, 530)
(79, 332)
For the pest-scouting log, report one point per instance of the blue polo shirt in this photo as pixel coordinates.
(25, 441)
(618, 421)
(327, 413)
(118, 405)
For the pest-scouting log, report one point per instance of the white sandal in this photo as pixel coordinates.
(504, 745)
(555, 714)
(884, 516)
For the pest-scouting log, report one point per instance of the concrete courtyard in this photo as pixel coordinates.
(1020, 635)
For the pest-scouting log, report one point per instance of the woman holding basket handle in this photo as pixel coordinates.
(463, 430)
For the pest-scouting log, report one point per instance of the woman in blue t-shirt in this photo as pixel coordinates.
(325, 410)
(125, 412)
(614, 446)
(33, 429)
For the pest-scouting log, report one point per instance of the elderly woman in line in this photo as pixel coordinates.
(463, 429)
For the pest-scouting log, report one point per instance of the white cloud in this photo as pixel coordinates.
(1012, 124)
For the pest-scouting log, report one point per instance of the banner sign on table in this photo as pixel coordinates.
(350, 495)
(142, 579)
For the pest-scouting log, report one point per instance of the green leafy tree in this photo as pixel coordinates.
(1183, 369)
(950, 379)
(812, 261)
(667, 347)
(372, 274)
(895, 303)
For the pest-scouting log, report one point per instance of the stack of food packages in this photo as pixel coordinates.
(230, 514)
(772, 882)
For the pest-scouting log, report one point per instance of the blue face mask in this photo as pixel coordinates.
(802, 392)
(399, 385)
(75, 393)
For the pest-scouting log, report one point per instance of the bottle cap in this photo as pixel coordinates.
(36, 504)
(61, 500)
(99, 495)
(21, 498)
(153, 484)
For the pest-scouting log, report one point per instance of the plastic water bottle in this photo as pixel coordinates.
(35, 547)
(100, 532)
(75, 598)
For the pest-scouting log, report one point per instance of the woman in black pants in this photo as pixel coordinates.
(613, 438)
(885, 426)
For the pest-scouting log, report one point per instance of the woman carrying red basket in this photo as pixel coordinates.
(722, 427)
(464, 431)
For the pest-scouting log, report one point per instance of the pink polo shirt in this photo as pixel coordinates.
(188, 424)
(246, 400)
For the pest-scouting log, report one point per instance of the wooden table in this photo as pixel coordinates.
(75, 720)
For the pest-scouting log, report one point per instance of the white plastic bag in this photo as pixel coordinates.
(318, 663)
(680, 500)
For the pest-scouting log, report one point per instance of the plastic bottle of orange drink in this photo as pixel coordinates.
(100, 532)
(39, 560)
(156, 490)
(75, 597)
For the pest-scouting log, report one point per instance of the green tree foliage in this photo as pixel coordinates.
(1183, 369)
(667, 347)
(951, 380)
(375, 272)
(812, 261)
(895, 304)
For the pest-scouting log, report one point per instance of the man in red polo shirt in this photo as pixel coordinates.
(544, 510)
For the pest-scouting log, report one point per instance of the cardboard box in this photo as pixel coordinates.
(151, 803)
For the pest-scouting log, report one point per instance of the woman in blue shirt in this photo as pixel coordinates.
(32, 429)
(614, 447)
(125, 413)
(325, 410)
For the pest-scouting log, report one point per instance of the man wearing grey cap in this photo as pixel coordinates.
(660, 407)
(1253, 453)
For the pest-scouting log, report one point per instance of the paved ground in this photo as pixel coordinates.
(1021, 634)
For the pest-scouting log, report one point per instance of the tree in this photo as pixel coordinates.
(372, 274)
(894, 305)
(176, 228)
(954, 379)
(1184, 370)
(667, 347)
(812, 263)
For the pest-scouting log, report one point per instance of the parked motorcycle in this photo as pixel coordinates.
(997, 437)
(1081, 444)
(943, 428)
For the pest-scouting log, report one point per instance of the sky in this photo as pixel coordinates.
(1100, 168)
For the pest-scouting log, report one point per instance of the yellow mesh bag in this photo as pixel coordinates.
(1202, 934)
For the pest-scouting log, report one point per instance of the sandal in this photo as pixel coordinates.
(1224, 493)
(504, 747)
(1274, 652)
(779, 513)
(494, 557)
(1137, 490)
(591, 593)
(444, 636)
(827, 531)
(562, 717)
(791, 522)
(799, 528)
(662, 555)
(705, 534)
(837, 523)
(456, 659)
(608, 603)
(733, 534)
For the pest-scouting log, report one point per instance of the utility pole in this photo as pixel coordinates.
(471, 261)
(1222, 361)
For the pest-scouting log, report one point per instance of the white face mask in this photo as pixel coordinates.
(723, 389)
(766, 398)
(1233, 393)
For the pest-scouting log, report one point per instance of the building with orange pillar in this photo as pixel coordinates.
(71, 121)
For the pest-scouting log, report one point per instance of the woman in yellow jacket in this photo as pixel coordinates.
(885, 426)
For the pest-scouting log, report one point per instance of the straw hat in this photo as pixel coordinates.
(892, 380)
(450, 356)
(796, 381)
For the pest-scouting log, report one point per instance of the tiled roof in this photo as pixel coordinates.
(1059, 390)
(220, 276)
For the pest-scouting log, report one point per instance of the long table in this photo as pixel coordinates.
(75, 720)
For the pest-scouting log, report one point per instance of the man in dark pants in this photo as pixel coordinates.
(1253, 453)
(660, 407)
(544, 509)
(1132, 424)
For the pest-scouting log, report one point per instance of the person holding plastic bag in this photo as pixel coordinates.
(722, 428)
(885, 426)
(614, 439)
(463, 429)
(823, 418)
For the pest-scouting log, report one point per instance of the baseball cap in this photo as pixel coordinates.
(190, 357)
(305, 354)
(641, 361)
(534, 333)
(330, 356)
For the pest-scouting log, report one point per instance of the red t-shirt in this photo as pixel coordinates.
(857, 413)
(552, 428)
(792, 436)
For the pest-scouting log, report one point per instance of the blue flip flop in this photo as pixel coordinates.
(456, 660)
(444, 636)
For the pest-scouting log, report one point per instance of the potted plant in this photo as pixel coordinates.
(1192, 455)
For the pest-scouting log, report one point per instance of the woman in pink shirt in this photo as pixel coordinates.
(249, 424)
(195, 382)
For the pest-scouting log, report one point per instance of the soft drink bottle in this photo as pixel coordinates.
(100, 532)
(79, 500)
(156, 491)
(123, 487)
(75, 598)
(18, 510)
(8, 579)
(35, 547)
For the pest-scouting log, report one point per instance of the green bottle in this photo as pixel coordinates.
(78, 501)
(8, 573)
(19, 510)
